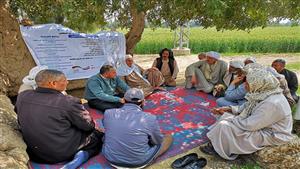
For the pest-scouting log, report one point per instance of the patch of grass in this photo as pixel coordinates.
(267, 40)
(293, 66)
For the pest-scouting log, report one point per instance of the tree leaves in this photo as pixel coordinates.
(86, 15)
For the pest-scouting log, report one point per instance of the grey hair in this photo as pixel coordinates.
(282, 61)
(48, 75)
(106, 68)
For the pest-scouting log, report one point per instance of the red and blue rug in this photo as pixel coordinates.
(182, 112)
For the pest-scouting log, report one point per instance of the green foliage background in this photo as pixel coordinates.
(281, 39)
(83, 15)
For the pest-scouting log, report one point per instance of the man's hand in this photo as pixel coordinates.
(238, 79)
(122, 100)
(194, 80)
(86, 115)
(100, 129)
(221, 110)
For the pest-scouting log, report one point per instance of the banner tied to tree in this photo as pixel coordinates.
(78, 55)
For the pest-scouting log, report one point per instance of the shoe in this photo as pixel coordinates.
(208, 149)
(79, 158)
(198, 164)
(185, 160)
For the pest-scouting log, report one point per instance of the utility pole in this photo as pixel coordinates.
(181, 40)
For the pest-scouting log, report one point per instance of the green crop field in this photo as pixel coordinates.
(281, 39)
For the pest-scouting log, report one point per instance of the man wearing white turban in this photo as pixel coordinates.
(205, 74)
(136, 77)
(234, 80)
(29, 80)
(235, 68)
(249, 60)
(265, 119)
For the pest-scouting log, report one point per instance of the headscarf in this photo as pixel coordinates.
(125, 70)
(30, 78)
(262, 85)
(274, 72)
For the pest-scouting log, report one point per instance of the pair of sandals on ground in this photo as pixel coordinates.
(191, 161)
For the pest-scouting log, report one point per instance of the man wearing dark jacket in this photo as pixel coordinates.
(291, 77)
(56, 127)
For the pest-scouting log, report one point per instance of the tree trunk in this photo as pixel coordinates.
(137, 28)
(15, 58)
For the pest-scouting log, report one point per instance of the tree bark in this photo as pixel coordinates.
(15, 58)
(137, 28)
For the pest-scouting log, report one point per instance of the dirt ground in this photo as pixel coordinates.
(183, 61)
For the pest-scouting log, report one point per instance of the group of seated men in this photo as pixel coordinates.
(212, 75)
(254, 104)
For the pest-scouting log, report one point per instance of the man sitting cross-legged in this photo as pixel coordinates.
(264, 120)
(132, 137)
(56, 127)
(101, 89)
(204, 75)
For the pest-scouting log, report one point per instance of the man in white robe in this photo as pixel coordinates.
(136, 77)
(205, 74)
(264, 120)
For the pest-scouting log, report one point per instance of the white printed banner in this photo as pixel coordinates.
(78, 55)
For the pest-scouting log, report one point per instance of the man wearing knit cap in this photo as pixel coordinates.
(132, 136)
(204, 75)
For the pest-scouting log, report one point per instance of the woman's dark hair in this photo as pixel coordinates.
(171, 60)
(171, 56)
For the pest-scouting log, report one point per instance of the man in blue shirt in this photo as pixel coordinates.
(133, 137)
(101, 89)
(235, 93)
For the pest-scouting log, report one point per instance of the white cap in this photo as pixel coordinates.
(237, 64)
(134, 95)
(33, 72)
(252, 59)
(128, 56)
(213, 54)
